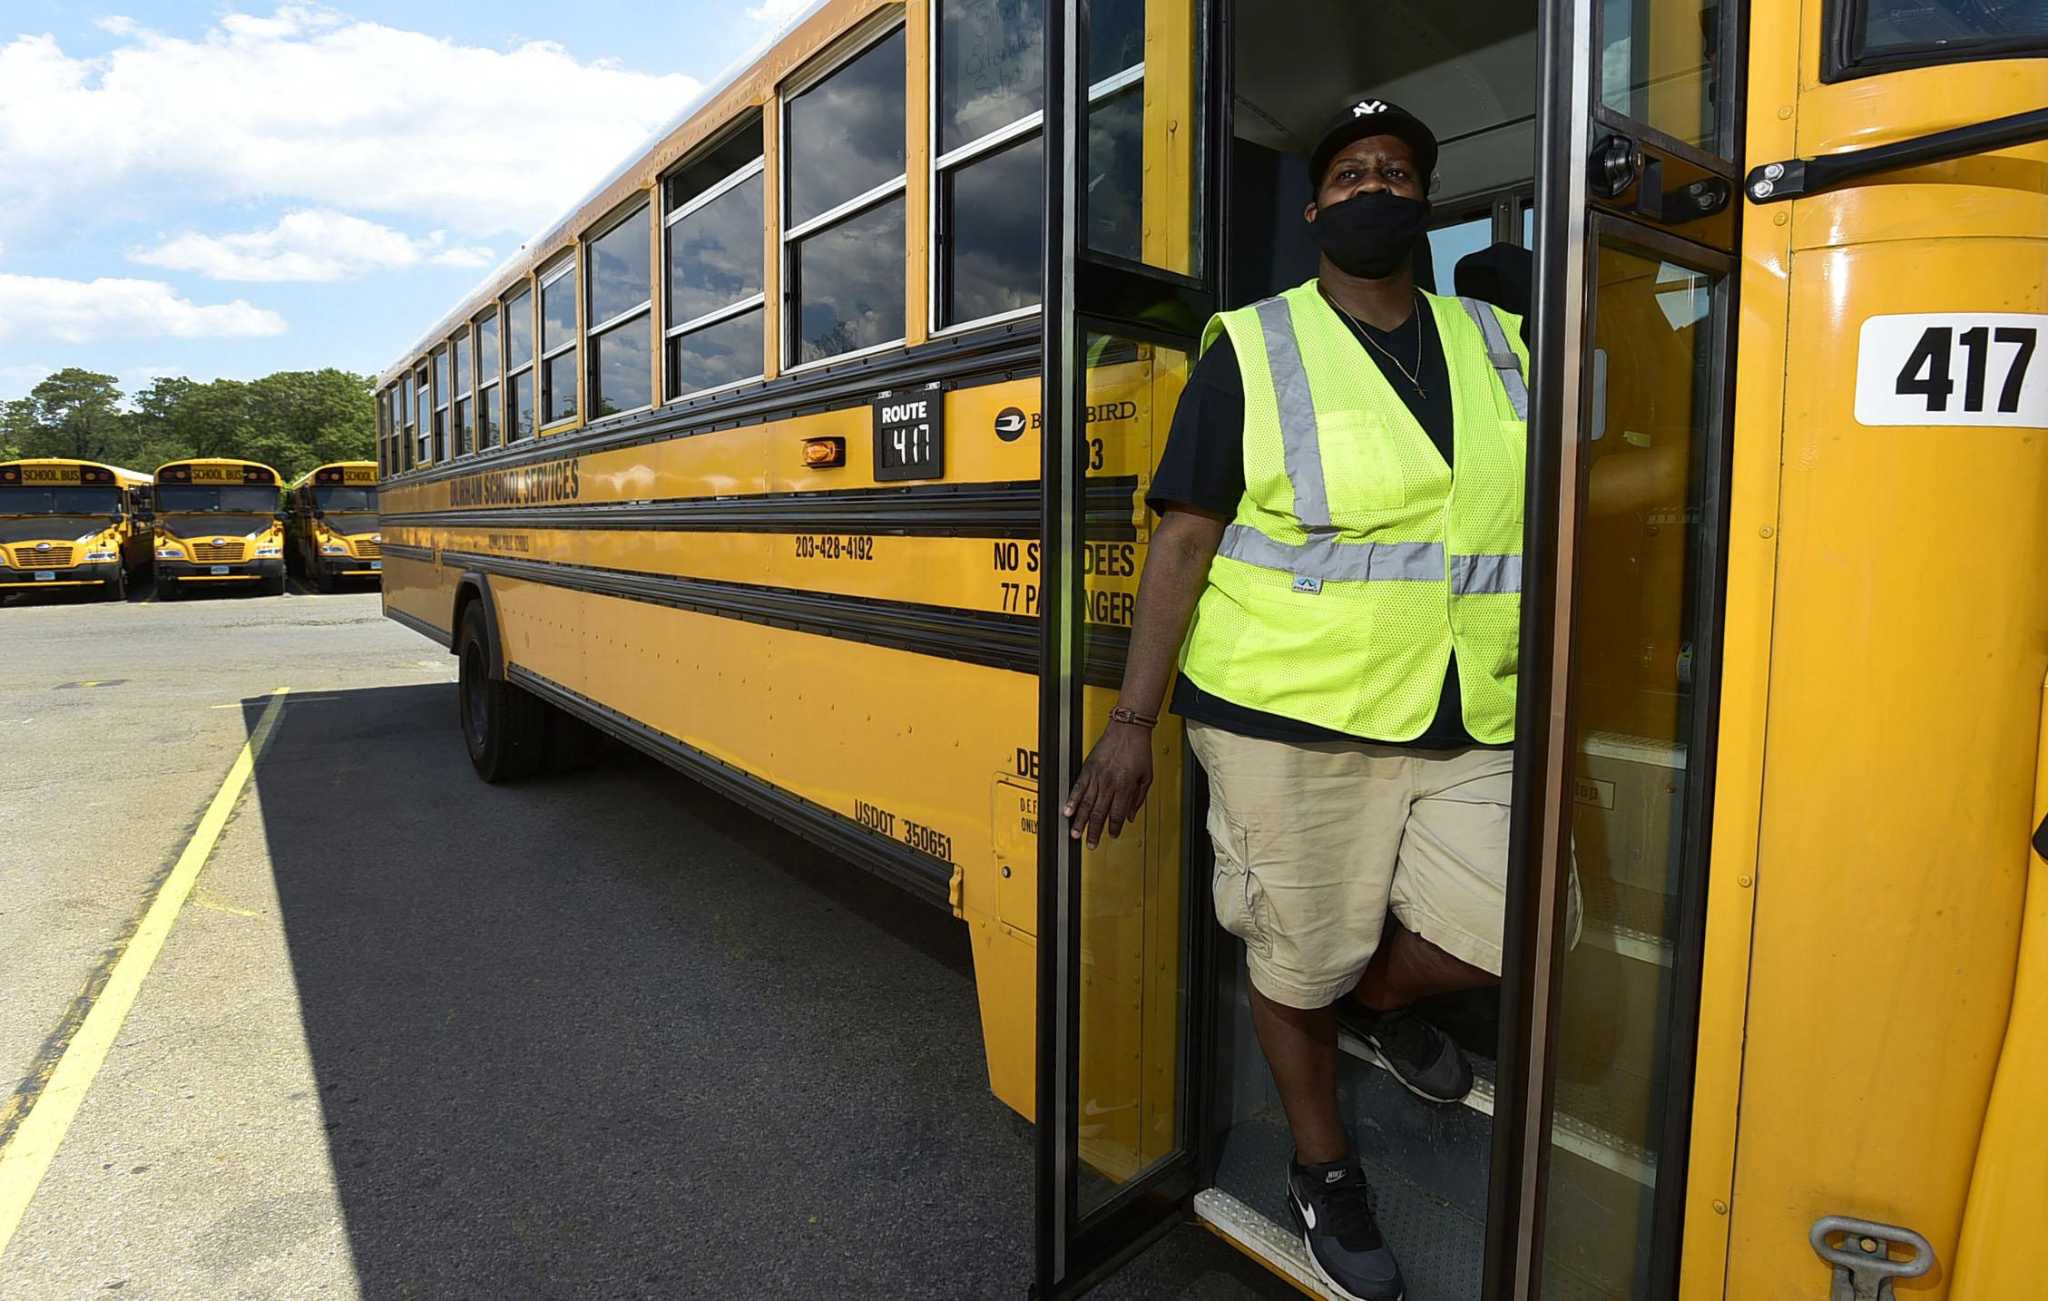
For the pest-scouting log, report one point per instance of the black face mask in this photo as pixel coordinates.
(1371, 234)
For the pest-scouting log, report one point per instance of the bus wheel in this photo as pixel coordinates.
(504, 728)
(167, 587)
(325, 582)
(273, 584)
(116, 588)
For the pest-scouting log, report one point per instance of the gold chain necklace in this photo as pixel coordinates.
(1413, 376)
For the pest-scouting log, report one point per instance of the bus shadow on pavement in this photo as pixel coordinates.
(603, 1034)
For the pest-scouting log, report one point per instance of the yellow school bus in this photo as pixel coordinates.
(218, 524)
(332, 531)
(72, 524)
(809, 452)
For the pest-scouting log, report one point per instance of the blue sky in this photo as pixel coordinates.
(229, 190)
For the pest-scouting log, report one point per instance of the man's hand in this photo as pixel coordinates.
(1113, 783)
(1118, 774)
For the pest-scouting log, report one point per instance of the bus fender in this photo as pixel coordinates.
(475, 589)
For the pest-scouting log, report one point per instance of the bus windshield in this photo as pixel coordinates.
(60, 501)
(346, 501)
(195, 499)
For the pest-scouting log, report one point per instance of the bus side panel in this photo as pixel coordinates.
(1909, 648)
(421, 590)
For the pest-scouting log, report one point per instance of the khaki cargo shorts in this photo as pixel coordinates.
(1317, 842)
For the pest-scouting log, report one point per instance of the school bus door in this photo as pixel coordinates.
(1622, 577)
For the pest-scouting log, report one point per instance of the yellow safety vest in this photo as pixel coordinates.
(1355, 564)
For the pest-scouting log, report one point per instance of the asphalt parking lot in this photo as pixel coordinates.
(601, 1035)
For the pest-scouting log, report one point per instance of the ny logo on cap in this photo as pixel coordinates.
(1366, 108)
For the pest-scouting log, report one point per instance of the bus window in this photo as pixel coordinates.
(458, 347)
(423, 408)
(519, 366)
(340, 499)
(558, 389)
(1656, 65)
(1870, 36)
(844, 137)
(441, 395)
(1124, 124)
(487, 419)
(621, 294)
(1448, 244)
(713, 264)
(252, 499)
(989, 173)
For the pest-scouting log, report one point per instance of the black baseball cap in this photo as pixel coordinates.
(1360, 118)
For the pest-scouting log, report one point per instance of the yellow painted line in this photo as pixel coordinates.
(27, 1156)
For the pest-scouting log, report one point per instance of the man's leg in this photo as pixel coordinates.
(1448, 895)
(1407, 967)
(1300, 1045)
(1308, 894)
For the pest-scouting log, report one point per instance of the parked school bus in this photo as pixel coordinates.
(218, 524)
(746, 463)
(68, 524)
(332, 531)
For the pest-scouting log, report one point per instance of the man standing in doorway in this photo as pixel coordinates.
(1337, 573)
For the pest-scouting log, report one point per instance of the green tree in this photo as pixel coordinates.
(156, 426)
(75, 413)
(306, 418)
(17, 420)
(214, 419)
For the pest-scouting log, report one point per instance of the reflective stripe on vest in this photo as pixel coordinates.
(1300, 437)
(1485, 575)
(1505, 363)
(1328, 560)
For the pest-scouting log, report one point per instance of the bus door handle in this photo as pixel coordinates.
(1862, 1266)
(1796, 178)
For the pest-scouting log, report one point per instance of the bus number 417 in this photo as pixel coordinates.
(1928, 370)
(1952, 369)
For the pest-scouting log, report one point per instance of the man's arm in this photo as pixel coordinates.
(1114, 781)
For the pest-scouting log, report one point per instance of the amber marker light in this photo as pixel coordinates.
(824, 453)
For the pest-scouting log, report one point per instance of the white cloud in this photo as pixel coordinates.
(307, 245)
(43, 308)
(308, 106)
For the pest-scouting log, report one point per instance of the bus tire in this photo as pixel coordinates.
(273, 584)
(504, 728)
(167, 587)
(325, 581)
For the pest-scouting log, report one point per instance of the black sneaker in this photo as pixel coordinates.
(1421, 1056)
(1332, 1208)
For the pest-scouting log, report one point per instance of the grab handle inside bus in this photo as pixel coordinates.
(1798, 177)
